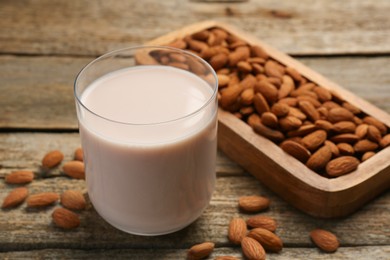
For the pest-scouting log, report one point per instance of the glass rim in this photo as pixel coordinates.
(113, 52)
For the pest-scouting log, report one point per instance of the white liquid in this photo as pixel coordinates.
(149, 178)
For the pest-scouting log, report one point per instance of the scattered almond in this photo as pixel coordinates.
(74, 169)
(52, 159)
(65, 219)
(237, 230)
(260, 221)
(42, 199)
(325, 240)
(78, 154)
(252, 249)
(253, 203)
(19, 177)
(200, 251)
(73, 199)
(15, 198)
(267, 239)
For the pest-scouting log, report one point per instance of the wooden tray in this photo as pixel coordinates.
(289, 178)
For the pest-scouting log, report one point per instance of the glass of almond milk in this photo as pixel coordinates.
(148, 126)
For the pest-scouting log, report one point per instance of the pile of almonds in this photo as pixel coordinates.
(71, 200)
(261, 237)
(311, 123)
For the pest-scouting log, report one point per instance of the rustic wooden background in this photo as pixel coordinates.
(43, 45)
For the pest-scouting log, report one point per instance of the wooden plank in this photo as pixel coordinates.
(24, 229)
(37, 92)
(296, 27)
(346, 253)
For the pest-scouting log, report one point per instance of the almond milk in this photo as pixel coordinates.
(149, 140)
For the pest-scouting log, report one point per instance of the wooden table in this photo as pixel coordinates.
(44, 43)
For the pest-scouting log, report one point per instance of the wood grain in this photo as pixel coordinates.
(27, 229)
(51, 104)
(92, 28)
(346, 253)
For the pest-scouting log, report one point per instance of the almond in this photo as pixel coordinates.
(273, 69)
(353, 109)
(248, 82)
(268, 90)
(303, 130)
(257, 51)
(78, 154)
(74, 169)
(265, 131)
(73, 199)
(252, 249)
(52, 159)
(385, 141)
(294, 74)
(253, 120)
(218, 61)
(15, 197)
(287, 87)
(344, 127)
(345, 149)
(361, 131)
(260, 103)
(200, 251)
(295, 112)
(240, 54)
(309, 98)
(325, 240)
(330, 105)
(320, 158)
(324, 125)
(246, 111)
(323, 94)
(291, 101)
(196, 45)
(289, 123)
(333, 148)
(42, 199)
(342, 165)
(339, 114)
(313, 140)
(373, 134)
(267, 239)
(230, 95)
(226, 257)
(280, 109)
(269, 119)
(201, 36)
(247, 96)
(253, 203)
(296, 150)
(262, 222)
(223, 80)
(244, 66)
(323, 112)
(309, 110)
(367, 155)
(375, 122)
(19, 177)
(65, 219)
(345, 138)
(237, 230)
(365, 145)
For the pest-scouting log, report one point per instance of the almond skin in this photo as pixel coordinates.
(385, 141)
(260, 103)
(200, 251)
(65, 219)
(342, 165)
(74, 169)
(19, 177)
(78, 154)
(271, 134)
(373, 134)
(268, 90)
(267, 239)
(365, 145)
(367, 155)
(15, 198)
(42, 199)
(269, 119)
(237, 230)
(313, 140)
(253, 203)
(262, 222)
(375, 122)
(309, 110)
(325, 240)
(73, 199)
(52, 159)
(296, 150)
(344, 127)
(320, 158)
(339, 114)
(252, 249)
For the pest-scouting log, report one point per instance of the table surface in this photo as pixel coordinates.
(44, 43)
